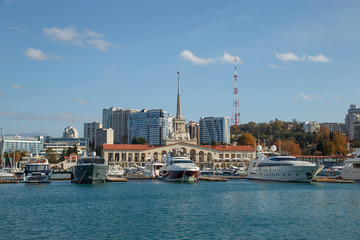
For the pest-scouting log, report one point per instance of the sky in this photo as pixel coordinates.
(62, 62)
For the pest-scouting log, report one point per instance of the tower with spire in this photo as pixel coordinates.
(179, 131)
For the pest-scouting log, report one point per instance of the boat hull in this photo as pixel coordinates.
(349, 173)
(180, 176)
(284, 173)
(37, 178)
(89, 174)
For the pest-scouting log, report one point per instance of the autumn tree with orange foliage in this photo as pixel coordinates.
(340, 143)
(288, 146)
(246, 139)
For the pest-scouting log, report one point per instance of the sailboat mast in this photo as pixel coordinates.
(2, 148)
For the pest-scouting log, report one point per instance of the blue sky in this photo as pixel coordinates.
(62, 62)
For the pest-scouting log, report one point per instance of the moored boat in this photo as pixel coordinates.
(115, 170)
(37, 170)
(272, 166)
(179, 168)
(90, 170)
(153, 169)
(351, 169)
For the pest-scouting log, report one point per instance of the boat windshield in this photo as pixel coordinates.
(284, 159)
(182, 161)
(36, 168)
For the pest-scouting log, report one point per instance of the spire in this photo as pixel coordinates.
(178, 109)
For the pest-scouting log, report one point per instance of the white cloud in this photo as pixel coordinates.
(319, 58)
(100, 44)
(227, 58)
(65, 34)
(289, 57)
(187, 55)
(93, 34)
(273, 66)
(82, 101)
(84, 38)
(16, 86)
(37, 54)
(302, 96)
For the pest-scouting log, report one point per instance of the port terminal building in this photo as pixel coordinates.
(202, 155)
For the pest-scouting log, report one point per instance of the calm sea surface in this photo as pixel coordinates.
(237, 209)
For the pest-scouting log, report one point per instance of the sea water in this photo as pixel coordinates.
(237, 209)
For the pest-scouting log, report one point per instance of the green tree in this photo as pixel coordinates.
(51, 156)
(99, 150)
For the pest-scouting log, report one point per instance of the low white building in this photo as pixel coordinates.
(202, 155)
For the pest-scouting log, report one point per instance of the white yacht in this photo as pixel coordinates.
(179, 168)
(272, 166)
(153, 169)
(351, 169)
(115, 170)
(37, 170)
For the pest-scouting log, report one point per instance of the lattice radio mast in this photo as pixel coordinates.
(235, 121)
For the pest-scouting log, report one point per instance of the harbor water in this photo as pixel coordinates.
(236, 209)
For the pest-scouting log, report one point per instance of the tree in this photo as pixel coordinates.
(246, 139)
(139, 140)
(51, 156)
(99, 150)
(288, 146)
(340, 143)
(142, 140)
(329, 148)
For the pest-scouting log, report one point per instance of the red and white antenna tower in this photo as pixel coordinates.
(235, 121)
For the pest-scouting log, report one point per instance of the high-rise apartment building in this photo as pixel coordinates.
(214, 129)
(90, 133)
(153, 125)
(104, 136)
(107, 117)
(352, 123)
(120, 124)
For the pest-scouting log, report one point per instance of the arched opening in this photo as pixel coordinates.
(162, 154)
(193, 155)
(137, 157)
(155, 156)
(184, 150)
(130, 157)
(201, 156)
(209, 157)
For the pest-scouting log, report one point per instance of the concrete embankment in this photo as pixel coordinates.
(212, 179)
(116, 179)
(331, 180)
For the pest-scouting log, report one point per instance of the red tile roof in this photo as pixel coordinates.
(233, 148)
(128, 146)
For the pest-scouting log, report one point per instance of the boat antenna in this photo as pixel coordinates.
(2, 148)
